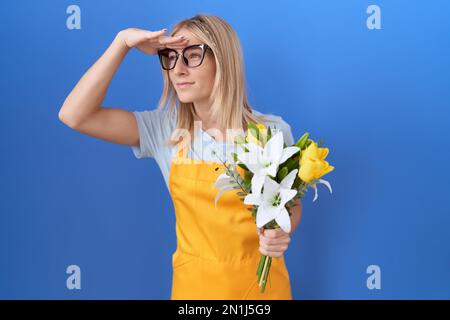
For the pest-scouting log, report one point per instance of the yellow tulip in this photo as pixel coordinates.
(313, 164)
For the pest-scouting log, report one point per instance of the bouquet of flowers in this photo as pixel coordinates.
(271, 176)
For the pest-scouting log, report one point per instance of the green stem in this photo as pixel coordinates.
(260, 266)
(266, 273)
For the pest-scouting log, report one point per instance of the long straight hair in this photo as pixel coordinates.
(230, 107)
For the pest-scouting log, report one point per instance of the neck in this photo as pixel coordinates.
(202, 113)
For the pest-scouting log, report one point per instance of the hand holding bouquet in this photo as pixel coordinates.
(271, 176)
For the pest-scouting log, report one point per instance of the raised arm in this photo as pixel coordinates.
(82, 110)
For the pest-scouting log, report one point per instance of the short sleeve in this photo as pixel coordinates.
(154, 128)
(287, 132)
(276, 122)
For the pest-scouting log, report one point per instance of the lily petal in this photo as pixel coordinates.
(255, 199)
(289, 179)
(254, 156)
(251, 160)
(286, 195)
(265, 214)
(274, 148)
(271, 187)
(287, 153)
(283, 220)
(271, 170)
(254, 148)
(257, 183)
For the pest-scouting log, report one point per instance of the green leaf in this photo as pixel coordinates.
(243, 166)
(292, 163)
(283, 172)
(297, 182)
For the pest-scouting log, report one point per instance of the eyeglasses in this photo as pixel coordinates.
(192, 56)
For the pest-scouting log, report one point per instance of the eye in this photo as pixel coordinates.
(194, 55)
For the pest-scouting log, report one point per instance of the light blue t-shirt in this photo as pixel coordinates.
(156, 126)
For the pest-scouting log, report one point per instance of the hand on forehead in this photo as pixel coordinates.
(190, 40)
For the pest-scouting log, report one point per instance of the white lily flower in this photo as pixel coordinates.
(265, 161)
(271, 203)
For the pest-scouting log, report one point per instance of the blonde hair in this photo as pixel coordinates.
(230, 106)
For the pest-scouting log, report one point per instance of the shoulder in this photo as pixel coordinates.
(278, 123)
(157, 120)
(156, 114)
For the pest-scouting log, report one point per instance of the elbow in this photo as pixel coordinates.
(61, 116)
(66, 119)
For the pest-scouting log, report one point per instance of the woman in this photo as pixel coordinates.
(204, 97)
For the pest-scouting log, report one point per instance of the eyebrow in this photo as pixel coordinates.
(181, 50)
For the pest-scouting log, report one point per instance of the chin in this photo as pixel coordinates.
(185, 98)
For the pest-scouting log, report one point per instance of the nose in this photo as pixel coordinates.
(180, 67)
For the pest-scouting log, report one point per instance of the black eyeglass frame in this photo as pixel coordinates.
(204, 47)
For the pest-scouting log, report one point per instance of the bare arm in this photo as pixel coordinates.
(82, 109)
(87, 96)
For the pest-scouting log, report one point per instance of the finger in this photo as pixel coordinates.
(153, 34)
(171, 40)
(273, 246)
(275, 233)
(274, 242)
(274, 254)
(177, 45)
(270, 233)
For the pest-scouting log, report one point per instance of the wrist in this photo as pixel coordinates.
(120, 40)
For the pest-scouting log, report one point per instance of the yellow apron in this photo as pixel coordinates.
(217, 248)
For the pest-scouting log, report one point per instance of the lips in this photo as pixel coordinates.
(184, 84)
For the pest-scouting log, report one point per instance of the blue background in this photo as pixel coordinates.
(379, 99)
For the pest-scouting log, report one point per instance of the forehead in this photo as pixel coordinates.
(192, 39)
